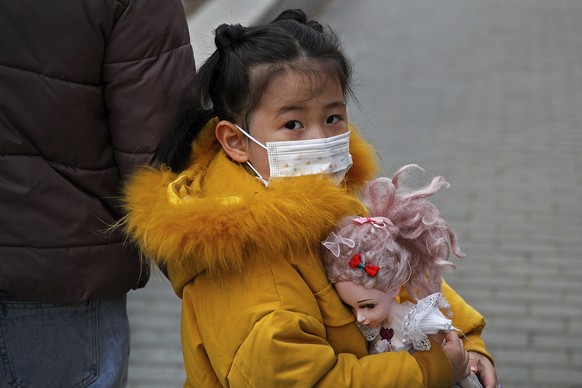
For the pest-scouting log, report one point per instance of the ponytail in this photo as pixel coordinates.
(175, 148)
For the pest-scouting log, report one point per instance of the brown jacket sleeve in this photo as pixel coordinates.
(148, 61)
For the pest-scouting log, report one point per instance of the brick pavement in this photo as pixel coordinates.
(489, 94)
(156, 354)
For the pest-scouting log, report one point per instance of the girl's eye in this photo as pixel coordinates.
(333, 119)
(294, 124)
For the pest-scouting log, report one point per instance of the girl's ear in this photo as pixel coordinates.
(232, 140)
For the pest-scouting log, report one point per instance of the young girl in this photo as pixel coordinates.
(404, 242)
(236, 215)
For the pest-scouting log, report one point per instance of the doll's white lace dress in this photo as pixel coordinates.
(409, 327)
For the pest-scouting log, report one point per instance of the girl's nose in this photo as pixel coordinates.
(320, 132)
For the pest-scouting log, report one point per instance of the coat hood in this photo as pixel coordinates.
(215, 216)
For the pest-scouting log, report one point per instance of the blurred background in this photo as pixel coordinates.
(487, 93)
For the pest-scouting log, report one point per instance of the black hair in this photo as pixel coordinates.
(231, 82)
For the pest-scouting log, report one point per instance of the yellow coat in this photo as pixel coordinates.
(257, 308)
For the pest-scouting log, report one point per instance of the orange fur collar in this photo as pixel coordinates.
(215, 215)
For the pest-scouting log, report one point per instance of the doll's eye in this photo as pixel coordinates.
(368, 306)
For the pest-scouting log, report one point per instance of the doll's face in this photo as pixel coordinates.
(370, 306)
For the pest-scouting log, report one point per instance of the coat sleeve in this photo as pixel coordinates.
(284, 347)
(291, 349)
(147, 74)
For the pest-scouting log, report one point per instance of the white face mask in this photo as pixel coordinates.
(330, 156)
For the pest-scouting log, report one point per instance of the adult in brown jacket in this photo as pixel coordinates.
(87, 90)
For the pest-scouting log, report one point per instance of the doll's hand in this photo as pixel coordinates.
(459, 358)
(484, 369)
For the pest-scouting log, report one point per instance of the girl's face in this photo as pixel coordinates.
(295, 106)
(370, 306)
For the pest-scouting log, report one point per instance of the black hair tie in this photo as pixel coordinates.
(293, 14)
(228, 36)
(300, 17)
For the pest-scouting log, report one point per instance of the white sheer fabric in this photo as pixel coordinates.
(411, 324)
(425, 318)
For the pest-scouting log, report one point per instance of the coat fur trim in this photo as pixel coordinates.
(216, 215)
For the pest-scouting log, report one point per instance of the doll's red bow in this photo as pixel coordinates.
(356, 262)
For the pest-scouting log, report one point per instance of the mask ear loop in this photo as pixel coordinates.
(250, 137)
(258, 176)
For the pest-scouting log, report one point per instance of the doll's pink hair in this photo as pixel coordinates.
(414, 250)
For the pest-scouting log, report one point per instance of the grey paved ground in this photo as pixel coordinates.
(487, 93)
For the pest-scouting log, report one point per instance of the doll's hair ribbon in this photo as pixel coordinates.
(334, 245)
(378, 222)
(356, 262)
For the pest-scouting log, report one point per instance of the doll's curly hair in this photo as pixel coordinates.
(409, 240)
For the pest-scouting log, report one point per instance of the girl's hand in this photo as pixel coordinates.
(438, 337)
(459, 358)
(484, 369)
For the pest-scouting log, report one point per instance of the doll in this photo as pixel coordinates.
(404, 242)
